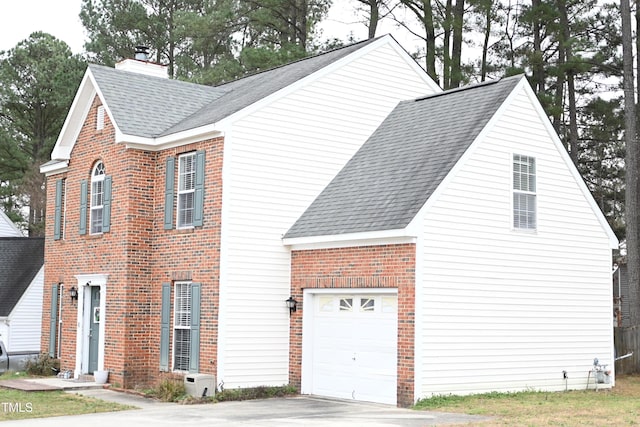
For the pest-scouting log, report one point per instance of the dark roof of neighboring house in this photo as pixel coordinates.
(150, 106)
(399, 167)
(20, 260)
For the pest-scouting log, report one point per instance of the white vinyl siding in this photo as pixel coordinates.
(24, 324)
(8, 228)
(277, 160)
(500, 310)
(181, 326)
(186, 189)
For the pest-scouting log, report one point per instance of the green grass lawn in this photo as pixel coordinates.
(619, 406)
(18, 405)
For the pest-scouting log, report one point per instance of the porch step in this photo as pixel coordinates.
(86, 378)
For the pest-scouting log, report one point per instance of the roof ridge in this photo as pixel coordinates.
(468, 87)
(155, 78)
(326, 52)
(237, 86)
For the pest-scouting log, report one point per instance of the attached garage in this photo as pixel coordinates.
(352, 337)
(350, 345)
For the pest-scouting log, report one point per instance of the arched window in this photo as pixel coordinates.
(97, 198)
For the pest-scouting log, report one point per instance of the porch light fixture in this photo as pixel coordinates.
(73, 293)
(292, 304)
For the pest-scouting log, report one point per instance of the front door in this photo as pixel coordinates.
(94, 328)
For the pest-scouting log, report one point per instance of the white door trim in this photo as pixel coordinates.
(85, 281)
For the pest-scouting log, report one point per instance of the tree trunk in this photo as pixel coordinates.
(565, 41)
(559, 95)
(446, 53)
(423, 10)
(374, 16)
(302, 24)
(430, 32)
(538, 65)
(637, 56)
(485, 42)
(456, 52)
(631, 161)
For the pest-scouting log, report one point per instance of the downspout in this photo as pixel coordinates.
(59, 351)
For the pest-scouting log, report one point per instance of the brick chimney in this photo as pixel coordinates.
(141, 64)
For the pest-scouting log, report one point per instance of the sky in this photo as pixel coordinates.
(19, 18)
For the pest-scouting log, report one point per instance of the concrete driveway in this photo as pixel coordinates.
(294, 411)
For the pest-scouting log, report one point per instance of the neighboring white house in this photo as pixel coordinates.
(21, 287)
(8, 228)
(463, 233)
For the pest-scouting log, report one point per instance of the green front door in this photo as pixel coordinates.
(94, 328)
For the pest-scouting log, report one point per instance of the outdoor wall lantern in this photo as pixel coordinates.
(292, 304)
(73, 293)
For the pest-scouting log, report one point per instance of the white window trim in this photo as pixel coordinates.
(533, 193)
(189, 191)
(94, 179)
(174, 327)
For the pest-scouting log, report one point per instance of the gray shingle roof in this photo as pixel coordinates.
(20, 260)
(396, 171)
(243, 92)
(148, 106)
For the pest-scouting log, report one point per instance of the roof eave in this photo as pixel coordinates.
(75, 118)
(328, 69)
(169, 141)
(54, 167)
(369, 238)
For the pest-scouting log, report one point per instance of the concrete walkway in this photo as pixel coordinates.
(48, 384)
(292, 411)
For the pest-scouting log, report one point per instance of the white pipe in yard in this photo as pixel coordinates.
(625, 356)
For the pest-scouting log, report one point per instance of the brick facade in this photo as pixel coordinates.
(137, 253)
(389, 266)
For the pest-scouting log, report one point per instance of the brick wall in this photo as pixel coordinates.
(137, 254)
(370, 267)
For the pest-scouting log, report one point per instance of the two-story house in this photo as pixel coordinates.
(304, 226)
(168, 202)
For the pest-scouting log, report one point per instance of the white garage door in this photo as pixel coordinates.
(355, 347)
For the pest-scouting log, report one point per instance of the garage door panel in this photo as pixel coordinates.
(355, 347)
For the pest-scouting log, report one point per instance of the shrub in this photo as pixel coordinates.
(44, 365)
(261, 392)
(169, 390)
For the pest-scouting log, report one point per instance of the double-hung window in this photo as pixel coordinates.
(181, 326)
(97, 198)
(184, 348)
(524, 192)
(189, 191)
(186, 189)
